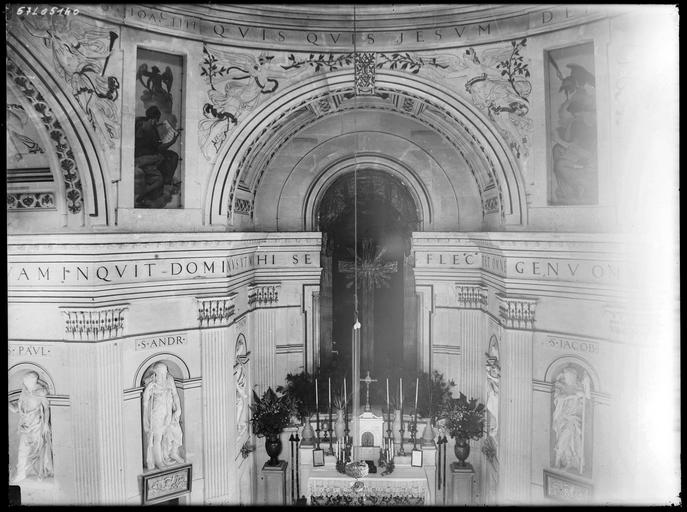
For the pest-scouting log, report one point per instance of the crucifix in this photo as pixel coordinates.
(368, 380)
(372, 274)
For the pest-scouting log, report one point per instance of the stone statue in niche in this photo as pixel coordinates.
(34, 456)
(572, 390)
(161, 414)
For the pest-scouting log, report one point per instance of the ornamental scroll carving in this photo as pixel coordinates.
(517, 312)
(216, 311)
(94, 324)
(471, 296)
(260, 295)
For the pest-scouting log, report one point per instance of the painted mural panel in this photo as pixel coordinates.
(157, 163)
(571, 90)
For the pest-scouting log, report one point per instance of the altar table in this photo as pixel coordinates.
(405, 486)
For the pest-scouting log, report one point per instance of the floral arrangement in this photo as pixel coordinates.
(298, 392)
(270, 414)
(463, 418)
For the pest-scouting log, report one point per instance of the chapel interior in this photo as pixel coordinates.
(342, 254)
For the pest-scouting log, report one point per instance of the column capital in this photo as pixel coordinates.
(216, 311)
(98, 323)
(517, 312)
(263, 294)
(471, 296)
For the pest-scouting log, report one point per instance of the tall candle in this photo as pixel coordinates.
(416, 388)
(329, 379)
(317, 399)
(387, 393)
(345, 395)
(401, 389)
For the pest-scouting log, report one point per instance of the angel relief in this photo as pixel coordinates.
(238, 83)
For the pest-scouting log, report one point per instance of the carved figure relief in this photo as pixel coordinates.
(570, 421)
(241, 374)
(34, 455)
(80, 55)
(493, 373)
(161, 414)
(157, 128)
(21, 141)
(572, 120)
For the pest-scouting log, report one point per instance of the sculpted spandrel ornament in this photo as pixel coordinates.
(34, 456)
(161, 414)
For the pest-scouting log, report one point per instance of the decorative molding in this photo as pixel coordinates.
(449, 350)
(261, 295)
(94, 324)
(365, 64)
(62, 147)
(295, 348)
(31, 201)
(471, 296)
(216, 311)
(517, 312)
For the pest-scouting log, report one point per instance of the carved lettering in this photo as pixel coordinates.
(163, 341)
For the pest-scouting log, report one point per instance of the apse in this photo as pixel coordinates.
(370, 214)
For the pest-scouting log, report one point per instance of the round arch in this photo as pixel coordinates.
(557, 365)
(178, 370)
(458, 116)
(393, 167)
(89, 168)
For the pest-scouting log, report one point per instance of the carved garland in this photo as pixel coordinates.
(65, 155)
(30, 200)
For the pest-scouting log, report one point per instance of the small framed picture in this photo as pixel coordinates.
(318, 457)
(416, 458)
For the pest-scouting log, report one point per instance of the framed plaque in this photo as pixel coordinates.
(562, 487)
(166, 484)
(318, 457)
(416, 458)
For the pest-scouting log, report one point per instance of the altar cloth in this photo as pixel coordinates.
(405, 486)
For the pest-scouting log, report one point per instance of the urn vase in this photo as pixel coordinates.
(273, 448)
(461, 449)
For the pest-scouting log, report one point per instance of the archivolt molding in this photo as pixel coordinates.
(80, 161)
(460, 121)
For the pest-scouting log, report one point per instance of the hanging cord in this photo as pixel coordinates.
(355, 190)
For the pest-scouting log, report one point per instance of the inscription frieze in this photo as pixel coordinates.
(215, 29)
(571, 345)
(160, 269)
(22, 350)
(162, 341)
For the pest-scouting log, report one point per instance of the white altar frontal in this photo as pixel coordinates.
(405, 486)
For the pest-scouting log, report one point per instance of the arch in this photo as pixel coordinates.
(460, 118)
(87, 190)
(16, 373)
(393, 167)
(557, 365)
(179, 369)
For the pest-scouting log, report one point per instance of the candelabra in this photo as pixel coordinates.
(401, 451)
(317, 430)
(412, 428)
(330, 431)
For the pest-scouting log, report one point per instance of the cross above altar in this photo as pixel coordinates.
(368, 380)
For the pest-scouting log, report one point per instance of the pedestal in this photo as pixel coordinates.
(462, 481)
(274, 478)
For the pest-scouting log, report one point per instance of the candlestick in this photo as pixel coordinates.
(416, 388)
(387, 392)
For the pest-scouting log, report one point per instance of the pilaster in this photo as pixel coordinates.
(517, 316)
